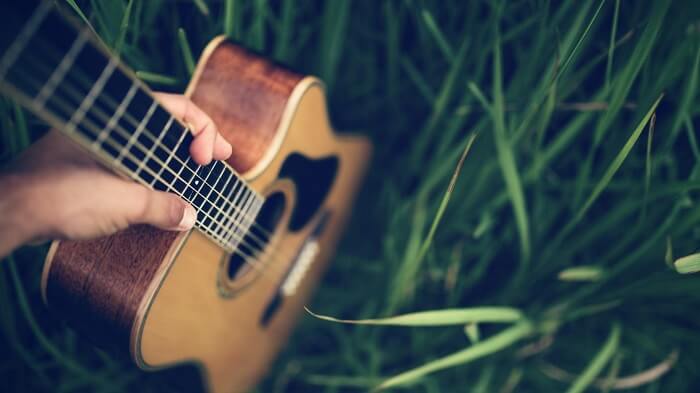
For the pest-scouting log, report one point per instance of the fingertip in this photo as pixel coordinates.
(200, 152)
(189, 217)
(222, 149)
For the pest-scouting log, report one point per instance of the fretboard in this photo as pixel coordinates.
(64, 76)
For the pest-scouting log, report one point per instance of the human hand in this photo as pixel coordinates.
(56, 191)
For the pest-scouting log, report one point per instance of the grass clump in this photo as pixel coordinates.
(572, 211)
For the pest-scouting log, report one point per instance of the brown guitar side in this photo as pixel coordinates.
(158, 293)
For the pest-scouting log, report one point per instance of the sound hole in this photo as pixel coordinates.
(313, 179)
(255, 241)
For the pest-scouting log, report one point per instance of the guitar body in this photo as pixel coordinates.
(173, 298)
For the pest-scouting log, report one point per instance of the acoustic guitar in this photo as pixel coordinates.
(226, 294)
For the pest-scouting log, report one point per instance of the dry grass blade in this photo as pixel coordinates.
(620, 383)
(617, 162)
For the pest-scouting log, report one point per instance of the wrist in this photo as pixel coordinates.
(16, 225)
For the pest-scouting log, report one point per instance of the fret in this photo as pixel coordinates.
(25, 35)
(245, 217)
(149, 153)
(70, 82)
(221, 200)
(230, 212)
(221, 170)
(87, 102)
(225, 202)
(192, 175)
(236, 222)
(203, 188)
(135, 134)
(166, 164)
(116, 116)
(63, 67)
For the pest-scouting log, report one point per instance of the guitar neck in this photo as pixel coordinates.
(65, 76)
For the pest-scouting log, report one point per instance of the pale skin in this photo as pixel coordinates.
(57, 191)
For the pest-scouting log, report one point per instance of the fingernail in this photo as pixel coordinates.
(188, 219)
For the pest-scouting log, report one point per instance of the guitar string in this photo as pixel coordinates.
(269, 265)
(84, 80)
(268, 243)
(134, 123)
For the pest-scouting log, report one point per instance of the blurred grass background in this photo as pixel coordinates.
(574, 211)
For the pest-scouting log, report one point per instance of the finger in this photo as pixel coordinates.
(207, 143)
(222, 149)
(163, 210)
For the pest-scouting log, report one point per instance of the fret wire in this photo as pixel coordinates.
(143, 123)
(193, 176)
(170, 157)
(89, 123)
(230, 214)
(233, 206)
(149, 153)
(133, 121)
(237, 214)
(139, 129)
(63, 67)
(228, 180)
(117, 115)
(114, 143)
(227, 210)
(247, 208)
(92, 94)
(205, 199)
(23, 38)
(214, 185)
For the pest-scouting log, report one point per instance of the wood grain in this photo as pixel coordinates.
(245, 95)
(98, 285)
(222, 334)
(156, 293)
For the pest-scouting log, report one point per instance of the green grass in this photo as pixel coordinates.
(548, 260)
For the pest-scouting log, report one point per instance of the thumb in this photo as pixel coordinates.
(166, 211)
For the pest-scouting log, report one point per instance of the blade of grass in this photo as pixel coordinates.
(648, 167)
(617, 162)
(336, 15)
(156, 78)
(446, 93)
(471, 330)
(581, 273)
(611, 46)
(574, 51)
(410, 267)
(186, 50)
(484, 348)
(283, 38)
(437, 35)
(123, 28)
(506, 158)
(21, 131)
(418, 80)
(627, 76)
(80, 13)
(442, 317)
(687, 264)
(231, 19)
(202, 7)
(688, 98)
(598, 363)
(257, 29)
